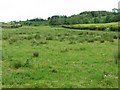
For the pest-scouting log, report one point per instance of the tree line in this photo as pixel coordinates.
(87, 17)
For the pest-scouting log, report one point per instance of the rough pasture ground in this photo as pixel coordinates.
(57, 57)
(101, 26)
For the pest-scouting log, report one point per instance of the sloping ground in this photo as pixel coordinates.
(103, 26)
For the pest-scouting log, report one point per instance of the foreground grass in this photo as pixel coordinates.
(60, 60)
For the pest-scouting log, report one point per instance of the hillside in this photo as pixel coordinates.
(87, 17)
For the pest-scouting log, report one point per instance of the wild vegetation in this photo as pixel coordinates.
(49, 57)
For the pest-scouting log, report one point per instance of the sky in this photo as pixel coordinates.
(16, 10)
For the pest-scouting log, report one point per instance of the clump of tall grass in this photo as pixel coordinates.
(115, 36)
(49, 37)
(37, 36)
(81, 39)
(90, 39)
(13, 40)
(34, 41)
(72, 42)
(36, 54)
(80, 33)
(102, 40)
(117, 57)
(42, 42)
(97, 38)
(62, 38)
(29, 37)
(63, 50)
(27, 63)
(5, 37)
(67, 34)
(17, 64)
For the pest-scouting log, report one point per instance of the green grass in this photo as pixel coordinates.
(101, 26)
(70, 59)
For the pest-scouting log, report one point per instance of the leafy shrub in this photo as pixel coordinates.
(35, 54)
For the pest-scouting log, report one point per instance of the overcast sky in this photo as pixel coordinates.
(11, 10)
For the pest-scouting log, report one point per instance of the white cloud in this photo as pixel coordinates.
(25, 9)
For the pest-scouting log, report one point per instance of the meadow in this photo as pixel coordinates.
(96, 26)
(55, 57)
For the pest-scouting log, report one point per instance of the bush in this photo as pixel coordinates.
(35, 54)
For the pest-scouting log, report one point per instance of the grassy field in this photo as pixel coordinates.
(100, 26)
(56, 57)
